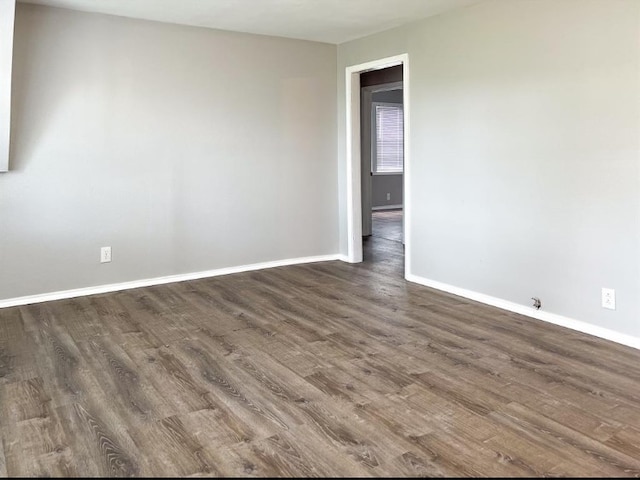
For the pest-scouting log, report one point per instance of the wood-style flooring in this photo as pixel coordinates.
(387, 224)
(325, 369)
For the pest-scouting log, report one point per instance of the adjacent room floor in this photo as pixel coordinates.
(326, 369)
(384, 247)
(387, 224)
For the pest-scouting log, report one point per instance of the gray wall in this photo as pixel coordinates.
(390, 96)
(185, 149)
(383, 184)
(525, 151)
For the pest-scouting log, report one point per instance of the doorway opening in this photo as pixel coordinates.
(382, 163)
(378, 197)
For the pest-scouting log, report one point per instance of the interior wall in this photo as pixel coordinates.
(388, 96)
(525, 165)
(184, 149)
(383, 186)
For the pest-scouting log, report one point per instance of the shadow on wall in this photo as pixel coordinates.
(36, 105)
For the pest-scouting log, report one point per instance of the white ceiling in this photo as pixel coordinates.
(331, 21)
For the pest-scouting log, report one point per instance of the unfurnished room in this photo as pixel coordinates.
(319, 238)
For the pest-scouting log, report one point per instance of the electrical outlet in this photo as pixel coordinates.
(609, 298)
(388, 196)
(105, 254)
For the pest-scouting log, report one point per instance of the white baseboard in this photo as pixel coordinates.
(80, 292)
(578, 325)
(387, 207)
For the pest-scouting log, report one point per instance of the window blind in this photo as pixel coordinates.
(389, 138)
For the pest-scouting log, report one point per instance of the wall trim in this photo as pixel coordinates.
(387, 207)
(578, 325)
(148, 282)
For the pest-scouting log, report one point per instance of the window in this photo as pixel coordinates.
(387, 151)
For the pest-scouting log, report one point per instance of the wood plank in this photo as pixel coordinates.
(235, 394)
(3, 463)
(101, 442)
(120, 381)
(177, 450)
(626, 441)
(58, 361)
(591, 453)
(16, 348)
(38, 446)
(22, 401)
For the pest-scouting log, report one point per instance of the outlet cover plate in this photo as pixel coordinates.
(105, 254)
(609, 298)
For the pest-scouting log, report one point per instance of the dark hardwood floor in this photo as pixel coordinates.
(326, 369)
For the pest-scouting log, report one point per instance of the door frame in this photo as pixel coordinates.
(354, 159)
